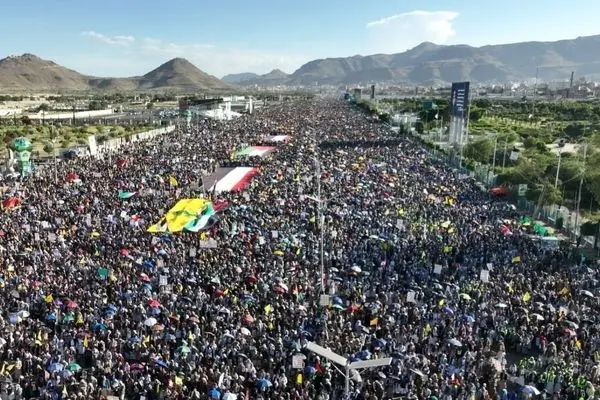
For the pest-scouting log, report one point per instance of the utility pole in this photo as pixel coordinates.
(505, 151)
(585, 148)
(534, 91)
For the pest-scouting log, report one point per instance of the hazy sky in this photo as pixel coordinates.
(131, 37)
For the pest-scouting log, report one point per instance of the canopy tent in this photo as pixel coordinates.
(255, 151)
(279, 138)
(187, 215)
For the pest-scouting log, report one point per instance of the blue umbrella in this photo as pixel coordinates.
(150, 264)
(154, 311)
(147, 287)
(337, 300)
(468, 319)
(214, 394)
(448, 310)
(135, 339)
(55, 367)
(112, 308)
(99, 326)
(263, 383)
(161, 363)
(51, 316)
(310, 370)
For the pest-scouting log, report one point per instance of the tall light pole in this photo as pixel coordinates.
(585, 148)
(558, 168)
(346, 364)
(321, 222)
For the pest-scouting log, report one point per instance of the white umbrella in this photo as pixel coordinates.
(230, 396)
(531, 390)
(150, 321)
(501, 305)
(587, 293)
(537, 317)
(245, 331)
(355, 268)
(455, 342)
(283, 286)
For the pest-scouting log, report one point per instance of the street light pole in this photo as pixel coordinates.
(558, 168)
(346, 364)
(321, 223)
(585, 148)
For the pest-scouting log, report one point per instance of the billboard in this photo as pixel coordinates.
(460, 99)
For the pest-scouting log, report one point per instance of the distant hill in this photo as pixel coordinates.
(239, 78)
(273, 78)
(30, 73)
(429, 63)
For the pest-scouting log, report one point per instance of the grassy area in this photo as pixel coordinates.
(42, 136)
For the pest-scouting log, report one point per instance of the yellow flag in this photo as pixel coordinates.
(146, 340)
(374, 322)
(190, 337)
(49, 299)
(516, 260)
(178, 381)
(447, 249)
(299, 378)
(203, 236)
(268, 309)
(173, 181)
(578, 344)
(527, 296)
(85, 341)
(564, 291)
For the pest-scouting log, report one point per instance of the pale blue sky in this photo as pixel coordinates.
(131, 37)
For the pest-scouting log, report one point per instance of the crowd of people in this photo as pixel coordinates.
(419, 264)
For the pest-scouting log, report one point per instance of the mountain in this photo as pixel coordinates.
(179, 73)
(273, 78)
(239, 78)
(429, 64)
(30, 73)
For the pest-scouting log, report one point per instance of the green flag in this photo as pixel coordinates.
(125, 195)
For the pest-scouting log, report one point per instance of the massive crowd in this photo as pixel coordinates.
(420, 265)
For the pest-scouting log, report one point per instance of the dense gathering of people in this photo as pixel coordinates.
(419, 264)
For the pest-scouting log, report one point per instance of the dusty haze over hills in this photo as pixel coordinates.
(425, 64)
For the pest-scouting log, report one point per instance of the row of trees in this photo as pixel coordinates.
(497, 128)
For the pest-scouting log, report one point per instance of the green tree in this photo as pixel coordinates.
(419, 127)
(48, 148)
(480, 150)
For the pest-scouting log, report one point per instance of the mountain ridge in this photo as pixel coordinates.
(425, 64)
(29, 72)
(429, 63)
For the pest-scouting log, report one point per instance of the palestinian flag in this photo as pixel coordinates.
(255, 151)
(231, 179)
